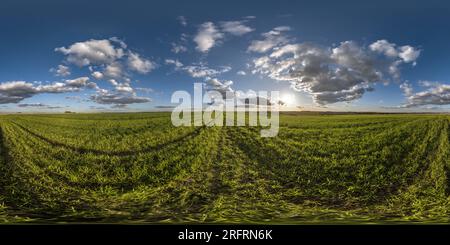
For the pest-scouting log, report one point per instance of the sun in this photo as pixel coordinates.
(288, 99)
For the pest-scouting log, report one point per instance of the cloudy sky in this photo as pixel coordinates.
(132, 55)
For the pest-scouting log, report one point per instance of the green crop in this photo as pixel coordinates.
(137, 167)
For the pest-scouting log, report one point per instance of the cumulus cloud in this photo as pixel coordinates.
(198, 70)
(124, 87)
(271, 39)
(329, 97)
(79, 83)
(405, 54)
(340, 74)
(409, 54)
(114, 70)
(91, 52)
(113, 82)
(139, 64)
(384, 47)
(222, 87)
(207, 37)
(108, 58)
(97, 75)
(241, 73)
(406, 89)
(118, 98)
(436, 94)
(16, 91)
(237, 28)
(61, 71)
(210, 34)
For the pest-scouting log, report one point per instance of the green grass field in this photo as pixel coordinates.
(137, 167)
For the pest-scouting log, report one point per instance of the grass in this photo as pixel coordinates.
(138, 168)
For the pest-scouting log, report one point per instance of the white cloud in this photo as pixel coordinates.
(198, 71)
(241, 73)
(144, 90)
(113, 82)
(138, 64)
(406, 88)
(271, 39)
(70, 85)
(178, 48)
(91, 52)
(406, 53)
(384, 47)
(435, 94)
(207, 37)
(124, 87)
(118, 98)
(330, 75)
(182, 20)
(428, 83)
(236, 28)
(176, 63)
(220, 86)
(97, 75)
(16, 91)
(108, 58)
(61, 71)
(114, 70)
(77, 83)
(31, 105)
(38, 106)
(105, 59)
(409, 54)
(281, 28)
(227, 92)
(119, 41)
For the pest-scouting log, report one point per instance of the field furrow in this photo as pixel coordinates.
(137, 167)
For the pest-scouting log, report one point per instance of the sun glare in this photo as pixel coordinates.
(288, 99)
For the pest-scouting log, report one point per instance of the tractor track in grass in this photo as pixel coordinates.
(122, 186)
(229, 174)
(269, 162)
(216, 183)
(7, 180)
(81, 150)
(34, 211)
(4, 161)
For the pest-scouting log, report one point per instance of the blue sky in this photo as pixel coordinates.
(346, 55)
